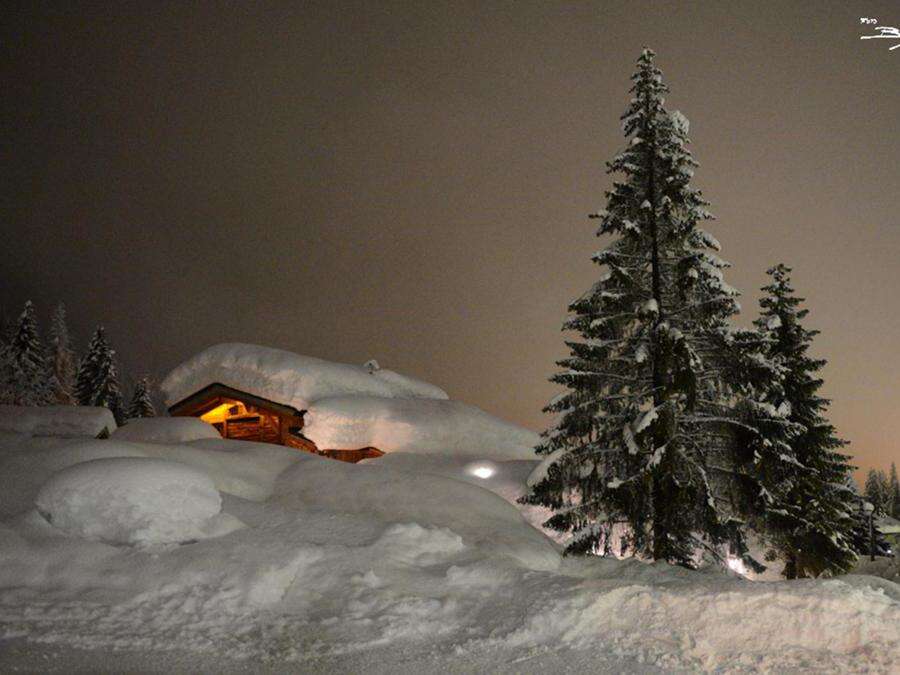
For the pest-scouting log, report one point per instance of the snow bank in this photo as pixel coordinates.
(165, 430)
(479, 516)
(402, 564)
(416, 425)
(56, 420)
(285, 377)
(26, 463)
(127, 500)
(241, 468)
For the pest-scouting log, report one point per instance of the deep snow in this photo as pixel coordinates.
(134, 500)
(291, 379)
(409, 563)
(56, 420)
(347, 406)
(165, 430)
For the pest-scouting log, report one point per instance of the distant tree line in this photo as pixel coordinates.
(34, 373)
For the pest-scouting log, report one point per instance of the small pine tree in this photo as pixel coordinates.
(97, 381)
(141, 404)
(62, 359)
(860, 533)
(812, 529)
(26, 378)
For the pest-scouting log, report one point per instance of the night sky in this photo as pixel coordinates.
(410, 181)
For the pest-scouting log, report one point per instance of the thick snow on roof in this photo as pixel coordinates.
(56, 420)
(287, 378)
(426, 426)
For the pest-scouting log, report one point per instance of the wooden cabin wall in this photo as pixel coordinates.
(264, 425)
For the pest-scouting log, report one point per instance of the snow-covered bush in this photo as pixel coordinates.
(133, 500)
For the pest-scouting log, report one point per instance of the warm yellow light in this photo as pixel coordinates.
(220, 412)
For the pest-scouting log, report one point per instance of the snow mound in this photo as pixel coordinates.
(127, 500)
(244, 469)
(401, 564)
(56, 420)
(165, 430)
(428, 426)
(480, 517)
(285, 377)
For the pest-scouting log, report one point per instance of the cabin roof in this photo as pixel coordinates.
(291, 379)
(196, 402)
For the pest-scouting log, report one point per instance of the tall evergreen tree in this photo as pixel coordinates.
(141, 404)
(97, 382)
(814, 531)
(62, 359)
(646, 436)
(894, 492)
(26, 378)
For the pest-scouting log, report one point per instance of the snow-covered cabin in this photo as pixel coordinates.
(347, 412)
(240, 415)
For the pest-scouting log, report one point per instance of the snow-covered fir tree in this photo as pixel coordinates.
(62, 359)
(813, 530)
(25, 375)
(97, 382)
(861, 534)
(876, 490)
(660, 387)
(141, 404)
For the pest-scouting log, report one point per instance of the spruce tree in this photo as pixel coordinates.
(97, 382)
(876, 490)
(646, 439)
(62, 359)
(26, 377)
(860, 533)
(141, 404)
(813, 531)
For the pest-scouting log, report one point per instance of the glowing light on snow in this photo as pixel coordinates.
(481, 470)
(737, 565)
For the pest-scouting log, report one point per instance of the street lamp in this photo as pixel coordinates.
(869, 509)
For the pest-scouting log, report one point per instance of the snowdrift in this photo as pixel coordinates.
(428, 426)
(127, 500)
(56, 420)
(285, 377)
(165, 430)
(407, 565)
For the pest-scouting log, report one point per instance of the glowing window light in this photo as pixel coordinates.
(483, 470)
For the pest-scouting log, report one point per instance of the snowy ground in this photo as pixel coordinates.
(404, 564)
